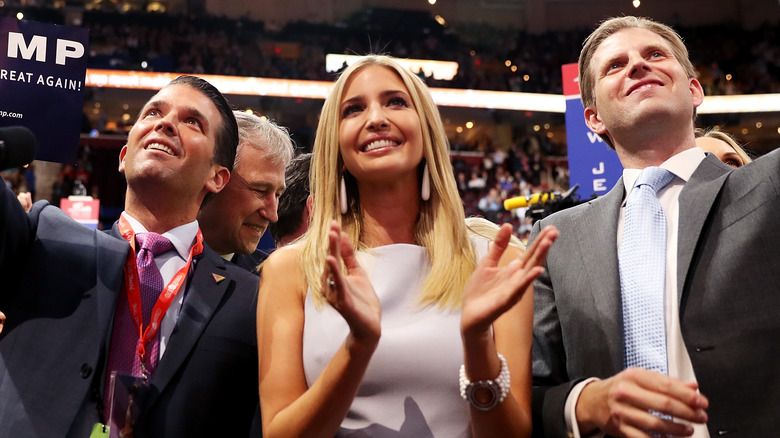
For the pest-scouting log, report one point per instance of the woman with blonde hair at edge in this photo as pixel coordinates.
(722, 145)
(364, 324)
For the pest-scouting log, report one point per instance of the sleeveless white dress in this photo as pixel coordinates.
(410, 388)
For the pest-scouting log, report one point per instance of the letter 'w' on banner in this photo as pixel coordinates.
(592, 164)
(42, 71)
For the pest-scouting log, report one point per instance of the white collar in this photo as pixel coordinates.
(182, 237)
(681, 165)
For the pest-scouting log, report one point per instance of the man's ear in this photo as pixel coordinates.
(219, 178)
(122, 154)
(593, 121)
(697, 92)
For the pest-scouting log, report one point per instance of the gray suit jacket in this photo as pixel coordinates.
(60, 286)
(728, 270)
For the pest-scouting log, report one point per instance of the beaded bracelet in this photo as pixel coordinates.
(498, 387)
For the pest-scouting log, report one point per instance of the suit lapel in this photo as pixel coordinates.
(249, 262)
(696, 201)
(598, 243)
(205, 292)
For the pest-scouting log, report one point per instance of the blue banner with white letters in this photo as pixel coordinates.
(592, 164)
(42, 71)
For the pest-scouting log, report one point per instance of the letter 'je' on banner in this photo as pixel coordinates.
(592, 164)
(42, 71)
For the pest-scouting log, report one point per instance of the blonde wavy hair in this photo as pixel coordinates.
(440, 227)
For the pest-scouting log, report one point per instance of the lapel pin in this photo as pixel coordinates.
(217, 278)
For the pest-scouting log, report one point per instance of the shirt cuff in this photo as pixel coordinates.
(570, 410)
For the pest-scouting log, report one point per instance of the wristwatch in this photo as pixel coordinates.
(498, 388)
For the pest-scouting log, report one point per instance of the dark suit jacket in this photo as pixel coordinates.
(728, 270)
(250, 262)
(60, 285)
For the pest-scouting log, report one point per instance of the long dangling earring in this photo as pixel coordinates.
(343, 196)
(425, 191)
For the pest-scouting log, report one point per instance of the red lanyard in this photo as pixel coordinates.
(134, 290)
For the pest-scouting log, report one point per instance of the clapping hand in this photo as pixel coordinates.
(494, 289)
(350, 293)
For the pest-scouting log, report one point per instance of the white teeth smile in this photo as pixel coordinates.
(650, 85)
(160, 147)
(380, 144)
(255, 227)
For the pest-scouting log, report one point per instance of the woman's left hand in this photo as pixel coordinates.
(494, 289)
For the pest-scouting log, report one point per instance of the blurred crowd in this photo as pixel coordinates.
(297, 50)
(489, 58)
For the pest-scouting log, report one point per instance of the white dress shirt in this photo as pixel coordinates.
(169, 263)
(682, 166)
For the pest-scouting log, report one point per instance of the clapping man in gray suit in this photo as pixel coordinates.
(716, 299)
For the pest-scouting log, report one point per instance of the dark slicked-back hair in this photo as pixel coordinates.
(227, 132)
(292, 203)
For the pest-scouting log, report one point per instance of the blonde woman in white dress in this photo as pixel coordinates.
(363, 325)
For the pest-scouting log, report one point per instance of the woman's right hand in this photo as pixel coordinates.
(351, 293)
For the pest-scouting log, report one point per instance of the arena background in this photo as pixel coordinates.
(502, 45)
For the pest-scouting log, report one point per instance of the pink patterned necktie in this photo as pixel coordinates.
(123, 354)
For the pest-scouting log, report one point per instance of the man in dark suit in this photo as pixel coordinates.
(722, 335)
(66, 292)
(236, 218)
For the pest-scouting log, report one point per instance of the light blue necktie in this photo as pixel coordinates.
(642, 263)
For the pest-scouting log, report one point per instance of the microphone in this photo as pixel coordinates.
(17, 147)
(540, 198)
(525, 201)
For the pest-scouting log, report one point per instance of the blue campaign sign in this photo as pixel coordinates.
(592, 164)
(42, 71)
